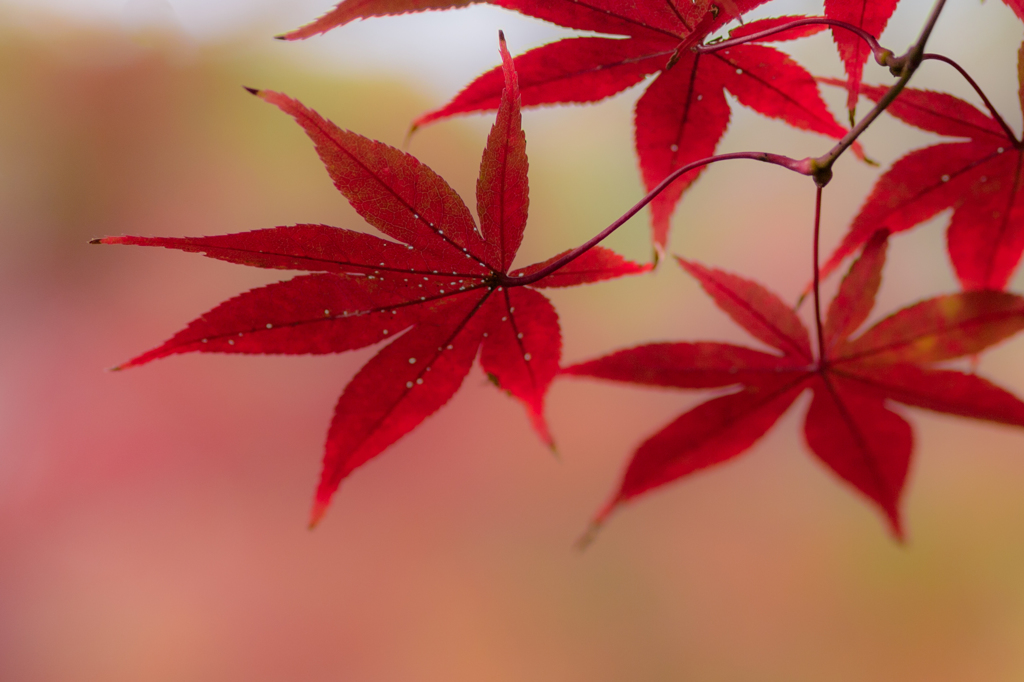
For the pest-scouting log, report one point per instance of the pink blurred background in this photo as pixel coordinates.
(152, 522)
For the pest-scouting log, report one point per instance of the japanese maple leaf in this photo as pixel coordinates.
(870, 15)
(850, 425)
(682, 115)
(441, 287)
(980, 179)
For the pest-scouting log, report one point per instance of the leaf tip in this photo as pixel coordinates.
(508, 66)
(588, 537)
(423, 120)
(691, 267)
(134, 362)
(808, 288)
(537, 421)
(408, 136)
(899, 533)
(590, 534)
(315, 516)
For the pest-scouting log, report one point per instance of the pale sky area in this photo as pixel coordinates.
(443, 51)
(440, 50)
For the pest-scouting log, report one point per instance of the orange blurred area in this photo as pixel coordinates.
(152, 521)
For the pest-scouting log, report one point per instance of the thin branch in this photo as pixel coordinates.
(802, 166)
(977, 88)
(817, 277)
(872, 42)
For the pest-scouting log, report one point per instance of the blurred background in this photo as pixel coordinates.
(153, 522)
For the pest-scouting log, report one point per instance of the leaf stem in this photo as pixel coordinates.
(977, 88)
(880, 53)
(802, 166)
(817, 277)
(903, 67)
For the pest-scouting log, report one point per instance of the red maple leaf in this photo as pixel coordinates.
(350, 10)
(682, 115)
(849, 425)
(870, 15)
(981, 179)
(442, 287)
(1017, 6)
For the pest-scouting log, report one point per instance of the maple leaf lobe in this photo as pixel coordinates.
(350, 10)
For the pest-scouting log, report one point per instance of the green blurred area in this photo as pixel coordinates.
(152, 521)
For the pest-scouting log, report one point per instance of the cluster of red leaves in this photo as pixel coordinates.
(442, 282)
(981, 179)
(682, 115)
(848, 426)
(872, 16)
(444, 287)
